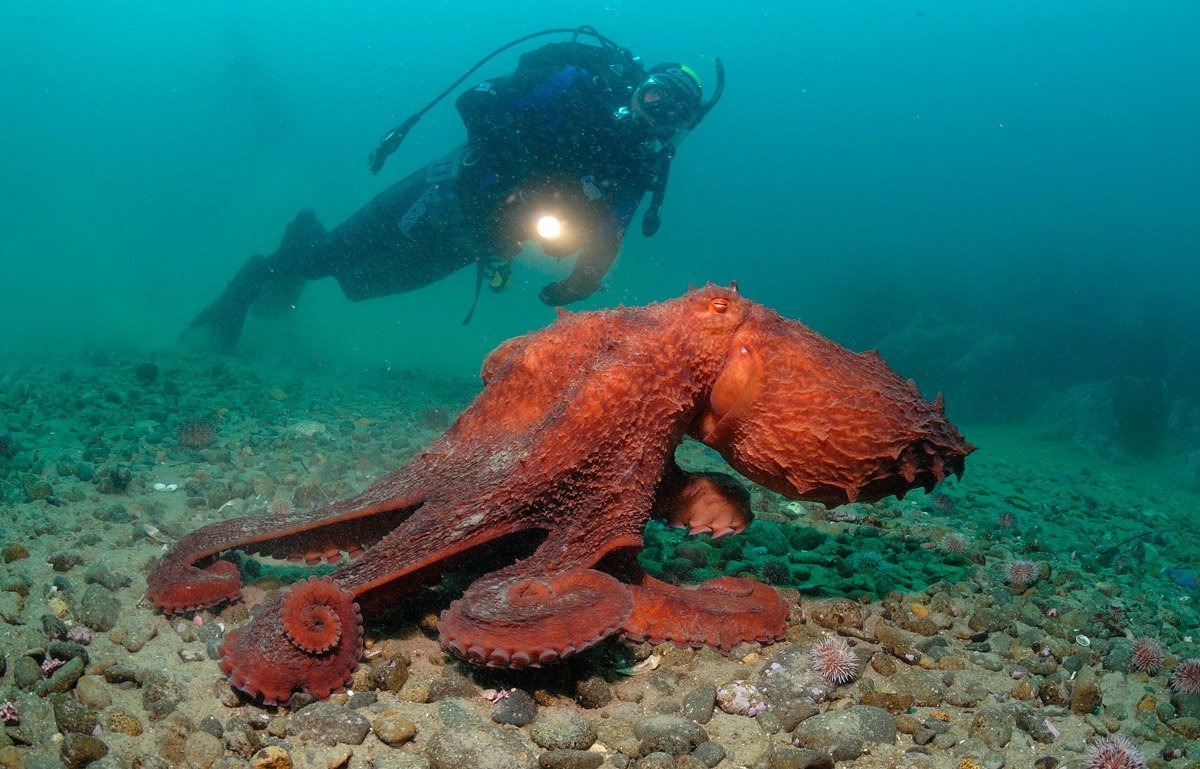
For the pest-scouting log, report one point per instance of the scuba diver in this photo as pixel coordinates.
(561, 151)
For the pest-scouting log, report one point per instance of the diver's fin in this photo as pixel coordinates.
(301, 235)
(288, 266)
(219, 325)
(278, 295)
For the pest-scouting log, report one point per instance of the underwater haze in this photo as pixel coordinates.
(999, 196)
(1002, 197)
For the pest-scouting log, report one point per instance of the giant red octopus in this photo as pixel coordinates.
(559, 462)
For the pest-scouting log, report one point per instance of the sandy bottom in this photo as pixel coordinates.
(101, 481)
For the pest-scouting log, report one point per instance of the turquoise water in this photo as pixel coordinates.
(1001, 196)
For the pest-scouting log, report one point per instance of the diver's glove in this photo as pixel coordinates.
(560, 293)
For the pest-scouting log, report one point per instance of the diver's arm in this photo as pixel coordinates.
(594, 260)
(591, 265)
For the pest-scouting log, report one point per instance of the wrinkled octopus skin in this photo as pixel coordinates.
(565, 455)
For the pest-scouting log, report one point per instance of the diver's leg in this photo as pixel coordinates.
(270, 285)
(295, 262)
(410, 235)
(219, 325)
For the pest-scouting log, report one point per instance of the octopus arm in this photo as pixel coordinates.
(191, 576)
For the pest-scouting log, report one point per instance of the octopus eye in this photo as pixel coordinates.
(718, 305)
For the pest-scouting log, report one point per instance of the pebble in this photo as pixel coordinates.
(392, 676)
(792, 712)
(901, 644)
(593, 692)
(994, 760)
(993, 727)
(790, 677)
(699, 703)
(99, 608)
(201, 749)
(845, 731)
(63, 680)
(894, 703)
(14, 552)
(671, 734)
(657, 760)
(72, 716)
(26, 672)
(451, 685)
(213, 726)
(787, 757)
(79, 750)
(18, 583)
(1086, 696)
(617, 734)
(570, 759)
(516, 709)
(64, 561)
(162, 692)
(329, 723)
(562, 729)
(1034, 724)
(709, 753)
(272, 757)
(277, 726)
(135, 632)
(392, 759)
(67, 650)
(240, 737)
(739, 698)
(122, 672)
(1186, 726)
(924, 686)
(99, 573)
(480, 746)
(193, 652)
(836, 613)
(12, 607)
(392, 728)
(121, 721)
(768, 723)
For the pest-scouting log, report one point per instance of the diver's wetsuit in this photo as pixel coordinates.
(550, 128)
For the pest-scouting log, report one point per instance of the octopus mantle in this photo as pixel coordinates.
(563, 457)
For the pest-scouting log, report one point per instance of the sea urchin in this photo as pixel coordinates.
(834, 660)
(1146, 655)
(1186, 678)
(1113, 752)
(196, 432)
(1021, 573)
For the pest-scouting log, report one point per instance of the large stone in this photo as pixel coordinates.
(562, 729)
(99, 609)
(330, 724)
(668, 734)
(840, 730)
(480, 746)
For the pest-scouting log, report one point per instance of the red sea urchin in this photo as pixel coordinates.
(1186, 678)
(1113, 752)
(1146, 655)
(1021, 573)
(955, 543)
(8, 445)
(196, 432)
(834, 660)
